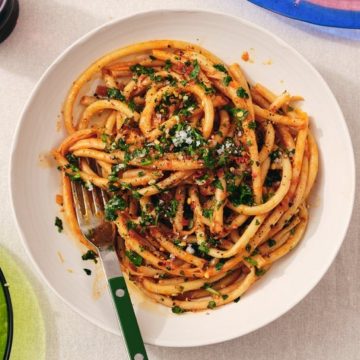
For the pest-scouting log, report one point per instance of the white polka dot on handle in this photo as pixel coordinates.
(120, 293)
(139, 357)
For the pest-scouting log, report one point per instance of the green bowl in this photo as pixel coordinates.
(6, 319)
(22, 329)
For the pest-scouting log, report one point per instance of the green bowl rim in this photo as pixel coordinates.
(10, 316)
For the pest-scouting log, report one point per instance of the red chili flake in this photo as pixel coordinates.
(245, 56)
(101, 90)
(242, 159)
(185, 222)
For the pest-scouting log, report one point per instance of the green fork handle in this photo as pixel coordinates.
(127, 319)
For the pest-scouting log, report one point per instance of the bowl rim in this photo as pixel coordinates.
(10, 316)
(160, 12)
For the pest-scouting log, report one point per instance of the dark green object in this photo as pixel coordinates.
(127, 319)
(5, 346)
(9, 13)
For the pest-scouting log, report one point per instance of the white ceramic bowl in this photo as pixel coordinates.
(276, 65)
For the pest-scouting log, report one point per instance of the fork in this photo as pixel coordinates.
(100, 233)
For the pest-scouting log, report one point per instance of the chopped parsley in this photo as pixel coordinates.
(217, 184)
(142, 70)
(195, 71)
(130, 225)
(132, 105)
(167, 210)
(202, 179)
(221, 68)
(219, 266)
(251, 261)
(177, 242)
(271, 242)
(188, 106)
(87, 272)
(147, 219)
(114, 93)
(211, 290)
(104, 138)
(113, 205)
(241, 194)
(208, 213)
(241, 93)
(59, 224)
(168, 65)
(185, 138)
(203, 247)
(211, 304)
(120, 144)
(276, 154)
(172, 81)
(227, 79)
(134, 257)
(208, 90)
(71, 159)
(146, 162)
(252, 125)
(209, 158)
(75, 172)
(260, 272)
(237, 300)
(177, 310)
(90, 255)
(239, 114)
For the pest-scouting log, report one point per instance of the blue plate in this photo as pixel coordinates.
(335, 13)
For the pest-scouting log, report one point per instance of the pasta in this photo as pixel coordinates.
(207, 175)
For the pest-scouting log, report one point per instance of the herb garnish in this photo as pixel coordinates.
(59, 224)
(168, 65)
(177, 310)
(227, 79)
(217, 184)
(134, 257)
(219, 265)
(250, 261)
(271, 242)
(90, 255)
(116, 94)
(241, 194)
(211, 304)
(241, 93)
(210, 289)
(208, 213)
(203, 247)
(195, 71)
(221, 68)
(113, 205)
(87, 272)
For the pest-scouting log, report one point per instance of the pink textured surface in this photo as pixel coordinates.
(353, 5)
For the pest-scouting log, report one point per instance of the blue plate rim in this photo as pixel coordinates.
(312, 13)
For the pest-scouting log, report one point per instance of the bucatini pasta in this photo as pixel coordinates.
(207, 175)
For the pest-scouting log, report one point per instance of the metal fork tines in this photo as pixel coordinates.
(89, 207)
